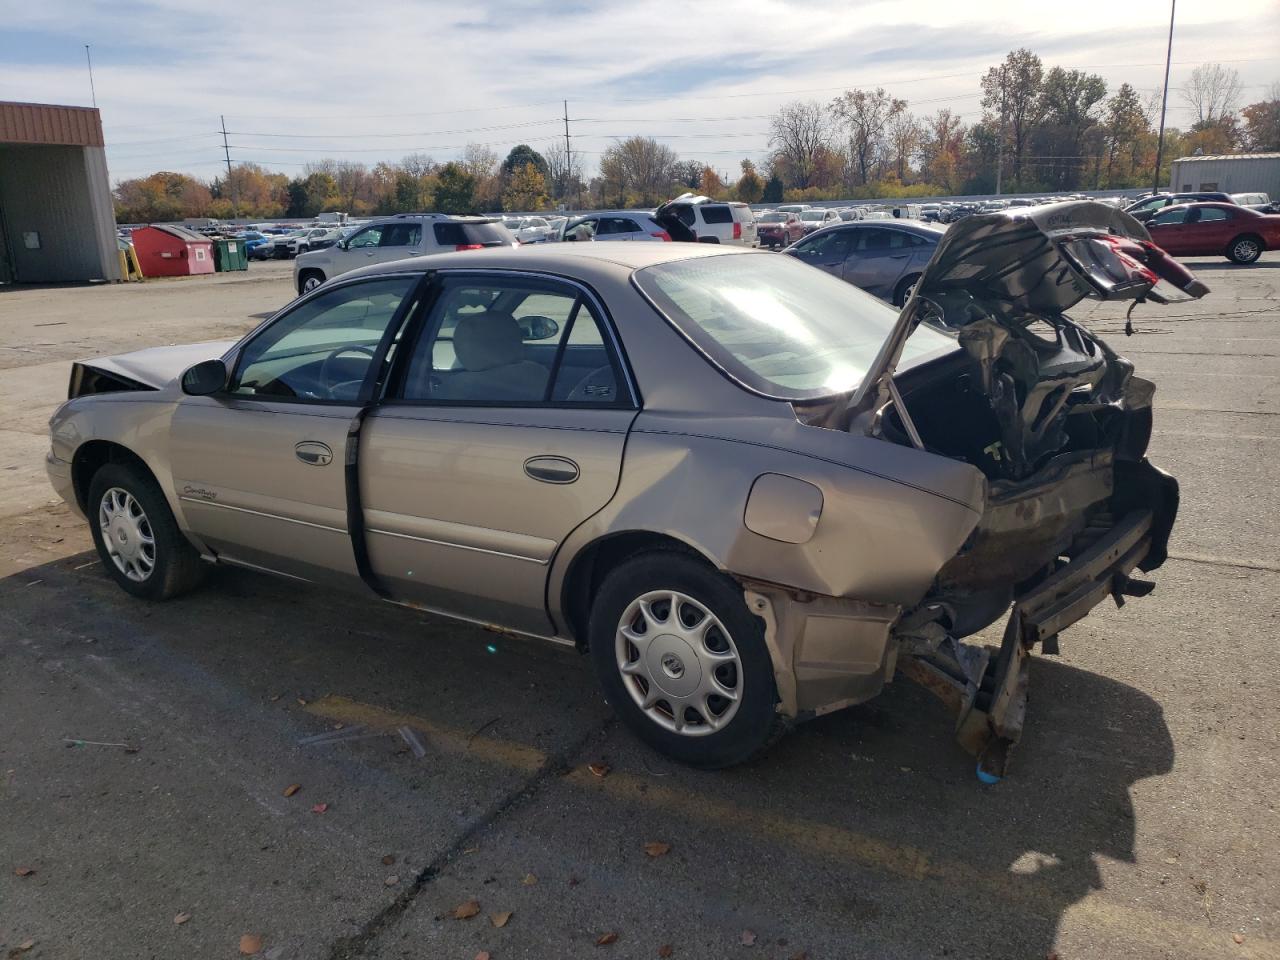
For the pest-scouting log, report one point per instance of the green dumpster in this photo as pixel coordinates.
(229, 254)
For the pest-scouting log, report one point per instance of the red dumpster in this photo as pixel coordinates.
(168, 251)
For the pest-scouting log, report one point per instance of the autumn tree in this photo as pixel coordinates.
(749, 187)
(1071, 106)
(1262, 122)
(645, 168)
(1126, 128)
(161, 197)
(687, 172)
(710, 184)
(942, 150)
(526, 189)
(455, 190)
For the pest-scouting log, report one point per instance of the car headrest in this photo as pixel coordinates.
(482, 341)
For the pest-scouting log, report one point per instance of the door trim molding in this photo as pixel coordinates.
(260, 513)
(460, 546)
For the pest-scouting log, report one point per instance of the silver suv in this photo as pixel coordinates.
(395, 238)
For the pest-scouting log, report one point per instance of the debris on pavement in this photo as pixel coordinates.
(656, 848)
(665, 950)
(500, 919)
(291, 789)
(529, 880)
(410, 736)
(319, 808)
(466, 911)
(23, 871)
(748, 938)
(606, 938)
(250, 943)
(599, 769)
(181, 918)
(389, 859)
(392, 880)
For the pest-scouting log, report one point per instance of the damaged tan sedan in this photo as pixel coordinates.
(752, 492)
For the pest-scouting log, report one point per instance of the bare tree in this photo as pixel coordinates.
(564, 172)
(647, 165)
(798, 133)
(1213, 92)
(905, 135)
(867, 115)
(479, 161)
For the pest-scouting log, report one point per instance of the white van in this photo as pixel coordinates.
(701, 219)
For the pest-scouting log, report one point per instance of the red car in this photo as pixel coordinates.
(1215, 229)
(779, 229)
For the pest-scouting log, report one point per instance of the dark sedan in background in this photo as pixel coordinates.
(883, 257)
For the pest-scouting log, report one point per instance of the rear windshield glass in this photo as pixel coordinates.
(779, 326)
(717, 214)
(774, 218)
(452, 234)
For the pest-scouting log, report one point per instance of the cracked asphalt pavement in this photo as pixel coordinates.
(146, 750)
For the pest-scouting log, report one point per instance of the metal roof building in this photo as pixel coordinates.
(57, 222)
(1230, 173)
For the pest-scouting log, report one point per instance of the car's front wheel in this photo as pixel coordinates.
(308, 280)
(137, 537)
(1244, 249)
(682, 661)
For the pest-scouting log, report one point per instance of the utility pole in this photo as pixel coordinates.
(568, 159)
(1164, 101)
(226, 151)
(92, 92)
(1000, 136)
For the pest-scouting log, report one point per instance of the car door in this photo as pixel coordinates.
(1210, 229)
(878, 260)
(503, 431)
(1170, 231)
(825, 249)
(617, 228)
(259, 467)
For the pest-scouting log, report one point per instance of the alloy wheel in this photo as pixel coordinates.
(127, 534)
(311, 283)
(1246, 250)
(679, 663)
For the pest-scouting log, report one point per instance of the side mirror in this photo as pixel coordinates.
(537, 328)
(206, 377)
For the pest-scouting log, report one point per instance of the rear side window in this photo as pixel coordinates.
(1213, 213)
(454, 234)
(401, 235)
(715, 214)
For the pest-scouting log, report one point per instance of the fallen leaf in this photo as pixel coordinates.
(275, 697)
(182, 918)
(599, 769)
(389, 859)
(1238, 937)
(482, 955)
(23, 947)
(665, 950)
(529, 880)
(500, 919)
(605, 939)
(291, 789)
(655, 848)
(23, 871)
(466, 910)
(748, 938)
(391, 881)
(470, 850)
(302, 702)
(320, 808)
(250, 944)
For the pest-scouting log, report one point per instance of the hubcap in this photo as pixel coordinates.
(310, 284)
(127, 535)
(1246, 249)
(679, 663)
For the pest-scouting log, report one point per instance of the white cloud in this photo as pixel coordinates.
(376, 80)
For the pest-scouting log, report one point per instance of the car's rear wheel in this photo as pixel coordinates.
(1244, 249)
(682, 661)
(308, 280)
(137, 537)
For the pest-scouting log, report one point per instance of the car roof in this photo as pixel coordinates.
(1200, 204)
(567, 258)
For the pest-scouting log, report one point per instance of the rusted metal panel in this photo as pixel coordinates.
(43, 123)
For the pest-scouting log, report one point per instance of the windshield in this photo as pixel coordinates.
(779, 326)
(774, 218)
(813, 214)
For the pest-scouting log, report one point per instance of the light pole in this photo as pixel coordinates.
(1164, 101)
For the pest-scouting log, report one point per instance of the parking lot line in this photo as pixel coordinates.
(903, 860)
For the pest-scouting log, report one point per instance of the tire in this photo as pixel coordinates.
(1245, 249)
(720, 732)
(308, 280)
(901, 294)
(171, 566)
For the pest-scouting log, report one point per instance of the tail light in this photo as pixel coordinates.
(737, 230)
(471, 246)
(662, 235)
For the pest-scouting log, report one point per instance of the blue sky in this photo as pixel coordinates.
(299, 81)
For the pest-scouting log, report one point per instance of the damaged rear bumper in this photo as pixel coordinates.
(987, 690)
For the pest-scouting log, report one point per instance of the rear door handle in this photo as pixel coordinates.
(314, 452)
(550, 469)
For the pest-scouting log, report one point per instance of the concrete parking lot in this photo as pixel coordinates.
(147, 752)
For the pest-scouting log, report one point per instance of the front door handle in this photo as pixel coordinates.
(314, 453)
(551, 469)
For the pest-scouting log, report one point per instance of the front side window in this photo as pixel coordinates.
(368, 237)
(495, 341)
(1177, 215)
(322, 349)
(777, 326)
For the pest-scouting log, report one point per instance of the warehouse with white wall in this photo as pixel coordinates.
(57, 223)
(1230, 173)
